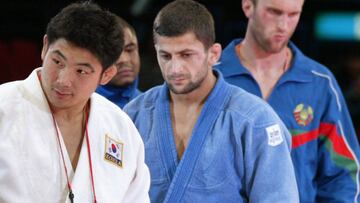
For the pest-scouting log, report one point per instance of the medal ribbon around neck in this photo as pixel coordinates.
(69, 185)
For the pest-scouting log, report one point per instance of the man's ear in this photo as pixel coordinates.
(108, 74)
(45, 47)
(214, 53)
(248, 7)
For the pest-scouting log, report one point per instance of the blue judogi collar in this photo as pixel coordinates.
(181, 172)
(119, 95)
(228, 157)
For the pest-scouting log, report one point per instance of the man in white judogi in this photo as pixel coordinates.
(60, 141)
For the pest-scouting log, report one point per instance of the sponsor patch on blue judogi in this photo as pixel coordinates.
(274, 135)
(114, 151)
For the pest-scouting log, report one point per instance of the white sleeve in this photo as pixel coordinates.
(138, 191)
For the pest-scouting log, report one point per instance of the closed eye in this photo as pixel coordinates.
(294, 14)
(165, 56)
(186, 55)
(275, 11)
(130, 48)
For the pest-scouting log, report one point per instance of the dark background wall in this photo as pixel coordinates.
(23, 22)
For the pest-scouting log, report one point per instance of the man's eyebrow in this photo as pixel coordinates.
(86, 65)
(79, 64)
(60, 54)
(130, 45)
(163, 52)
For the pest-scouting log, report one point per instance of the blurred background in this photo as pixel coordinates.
(329, 32)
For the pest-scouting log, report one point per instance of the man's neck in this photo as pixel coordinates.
(68, 114)
(266, 68)
(185, 110)
(254, 58)
(72, 125)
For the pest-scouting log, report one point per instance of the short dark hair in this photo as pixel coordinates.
(123, 23)
(182, 16)
(88, 26)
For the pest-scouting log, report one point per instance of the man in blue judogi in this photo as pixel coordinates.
(123, 87)
(206, 140)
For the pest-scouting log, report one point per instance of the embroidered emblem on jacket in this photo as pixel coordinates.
(303, 114)
(274, 135)
(114, 151)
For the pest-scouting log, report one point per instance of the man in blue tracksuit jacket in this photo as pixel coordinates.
(305, 95)
(206, 140)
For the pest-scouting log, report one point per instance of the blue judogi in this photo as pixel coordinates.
(119, 95)
(238, 150)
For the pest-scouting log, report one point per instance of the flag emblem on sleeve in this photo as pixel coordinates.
(114, 151)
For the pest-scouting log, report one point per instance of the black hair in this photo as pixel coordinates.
(88, 26)
(123, 23)
(182, 16)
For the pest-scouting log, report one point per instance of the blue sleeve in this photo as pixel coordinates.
(269, 171)
(338, 180)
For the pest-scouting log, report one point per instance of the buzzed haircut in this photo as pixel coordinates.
(182, 16)
(87, 26)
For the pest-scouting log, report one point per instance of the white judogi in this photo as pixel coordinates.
(31, 168)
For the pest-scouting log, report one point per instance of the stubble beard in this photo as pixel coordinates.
(275, 49)
(191, 86)
(267, 45)
(265, 42)
(187, 89)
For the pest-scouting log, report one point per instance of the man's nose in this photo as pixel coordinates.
(283, 22)
(65, 76)
(176, 65)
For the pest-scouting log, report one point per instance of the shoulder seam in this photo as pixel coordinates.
(331, 86)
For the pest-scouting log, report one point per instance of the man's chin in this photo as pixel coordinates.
(122, 83)
(279, 47)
